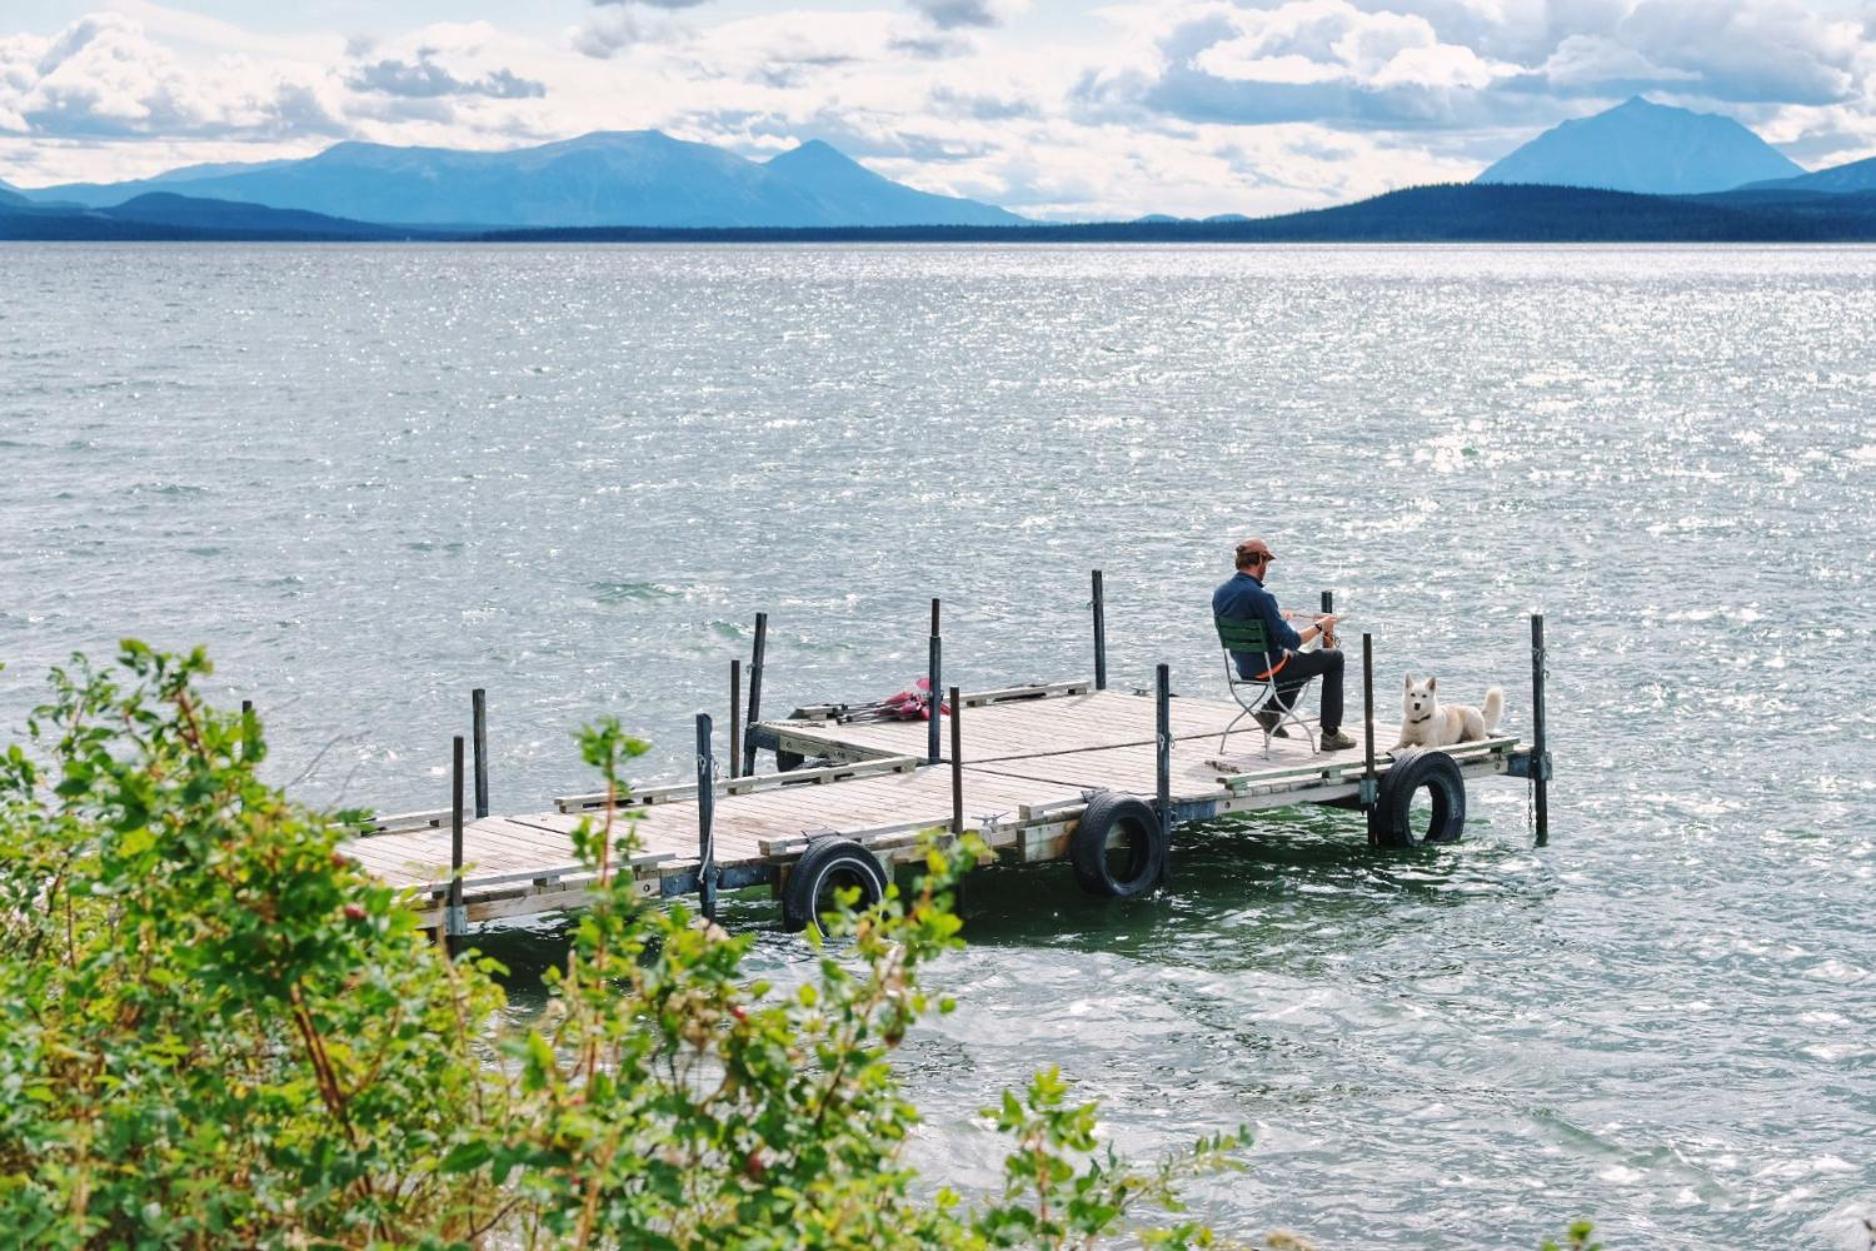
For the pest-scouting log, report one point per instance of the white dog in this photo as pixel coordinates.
(1425, 722)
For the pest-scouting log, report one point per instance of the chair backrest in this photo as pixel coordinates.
(1243, 634)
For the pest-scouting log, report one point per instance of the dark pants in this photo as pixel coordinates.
(1325, 664)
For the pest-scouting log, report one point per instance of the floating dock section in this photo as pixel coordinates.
(1021, 767)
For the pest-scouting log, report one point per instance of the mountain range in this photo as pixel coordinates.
(1692, 175)
(610, 178)
(1644, 147)
(1849, 179)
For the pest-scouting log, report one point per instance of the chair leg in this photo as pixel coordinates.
(1289, 716)
(1230, 727)
(1308, 737)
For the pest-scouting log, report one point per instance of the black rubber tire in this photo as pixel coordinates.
(1145, 866)
(787, 761)
(1390, 821)
(826, 864)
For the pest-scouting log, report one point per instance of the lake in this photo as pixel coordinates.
(370, 478)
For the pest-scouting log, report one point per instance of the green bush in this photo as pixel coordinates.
(220, 1033)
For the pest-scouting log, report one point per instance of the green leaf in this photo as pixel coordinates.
(466, 1157)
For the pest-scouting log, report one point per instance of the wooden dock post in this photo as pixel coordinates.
(1540, 755)
(455, 917)
(1162, 700)
(479, 726)
(736, 716)
(706, 816)
(935, 691)
(1100, 634)
(1370, 785)
(1367, 708)
(755, 693)
(957, 762)
(248, 734)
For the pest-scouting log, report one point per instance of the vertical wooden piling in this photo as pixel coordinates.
(455, 918)
(1367, 706)
(935, 690)
(1100, 634)
(479, 725)
(1370, 784)
(957, 762)
(1540, 752)
(1328, 606)
(248, 731)
(755, 693)
(736, 716)
(706, 817)
(1162, 699)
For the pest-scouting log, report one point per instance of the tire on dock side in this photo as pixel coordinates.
(1141, 860)
(827, 865)
(1390, 821)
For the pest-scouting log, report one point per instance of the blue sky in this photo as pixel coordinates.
(1054, 108)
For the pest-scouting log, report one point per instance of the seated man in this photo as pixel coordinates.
(1243, 595)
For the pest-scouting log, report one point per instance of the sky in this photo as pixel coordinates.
(1052, 108)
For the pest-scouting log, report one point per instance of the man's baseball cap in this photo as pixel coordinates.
(1250, 551)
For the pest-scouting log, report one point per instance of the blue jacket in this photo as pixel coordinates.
(1244, 597)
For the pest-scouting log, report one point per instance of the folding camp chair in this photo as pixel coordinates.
(1256, 695)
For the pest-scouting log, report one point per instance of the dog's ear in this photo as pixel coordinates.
(1433, 684)
(1410, 681)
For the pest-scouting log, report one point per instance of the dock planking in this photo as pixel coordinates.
(1031, 758)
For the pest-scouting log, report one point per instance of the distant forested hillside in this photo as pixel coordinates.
(1459, 213)
(1456, 213)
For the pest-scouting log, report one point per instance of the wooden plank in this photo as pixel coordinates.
(789, 847)
(746, 819)
(653, 795)
(482, 883)
(1336, 764)
(394, 822)
(558, 897)
(1034, 690)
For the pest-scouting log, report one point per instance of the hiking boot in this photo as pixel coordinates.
(1272, 723)
(1334, 740)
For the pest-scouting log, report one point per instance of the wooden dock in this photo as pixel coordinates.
(1030, 760)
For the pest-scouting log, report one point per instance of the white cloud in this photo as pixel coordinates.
(103, 77)
(1320, 41)
(1600, 63)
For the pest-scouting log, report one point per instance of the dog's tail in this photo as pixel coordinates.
(1494, 708)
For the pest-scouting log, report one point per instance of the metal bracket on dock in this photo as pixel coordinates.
(1528, 764)
(1370, 793)
(456, 921)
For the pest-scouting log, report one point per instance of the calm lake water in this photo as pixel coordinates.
(372, 478)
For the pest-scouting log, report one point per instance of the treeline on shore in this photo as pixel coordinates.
(1455, 213)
